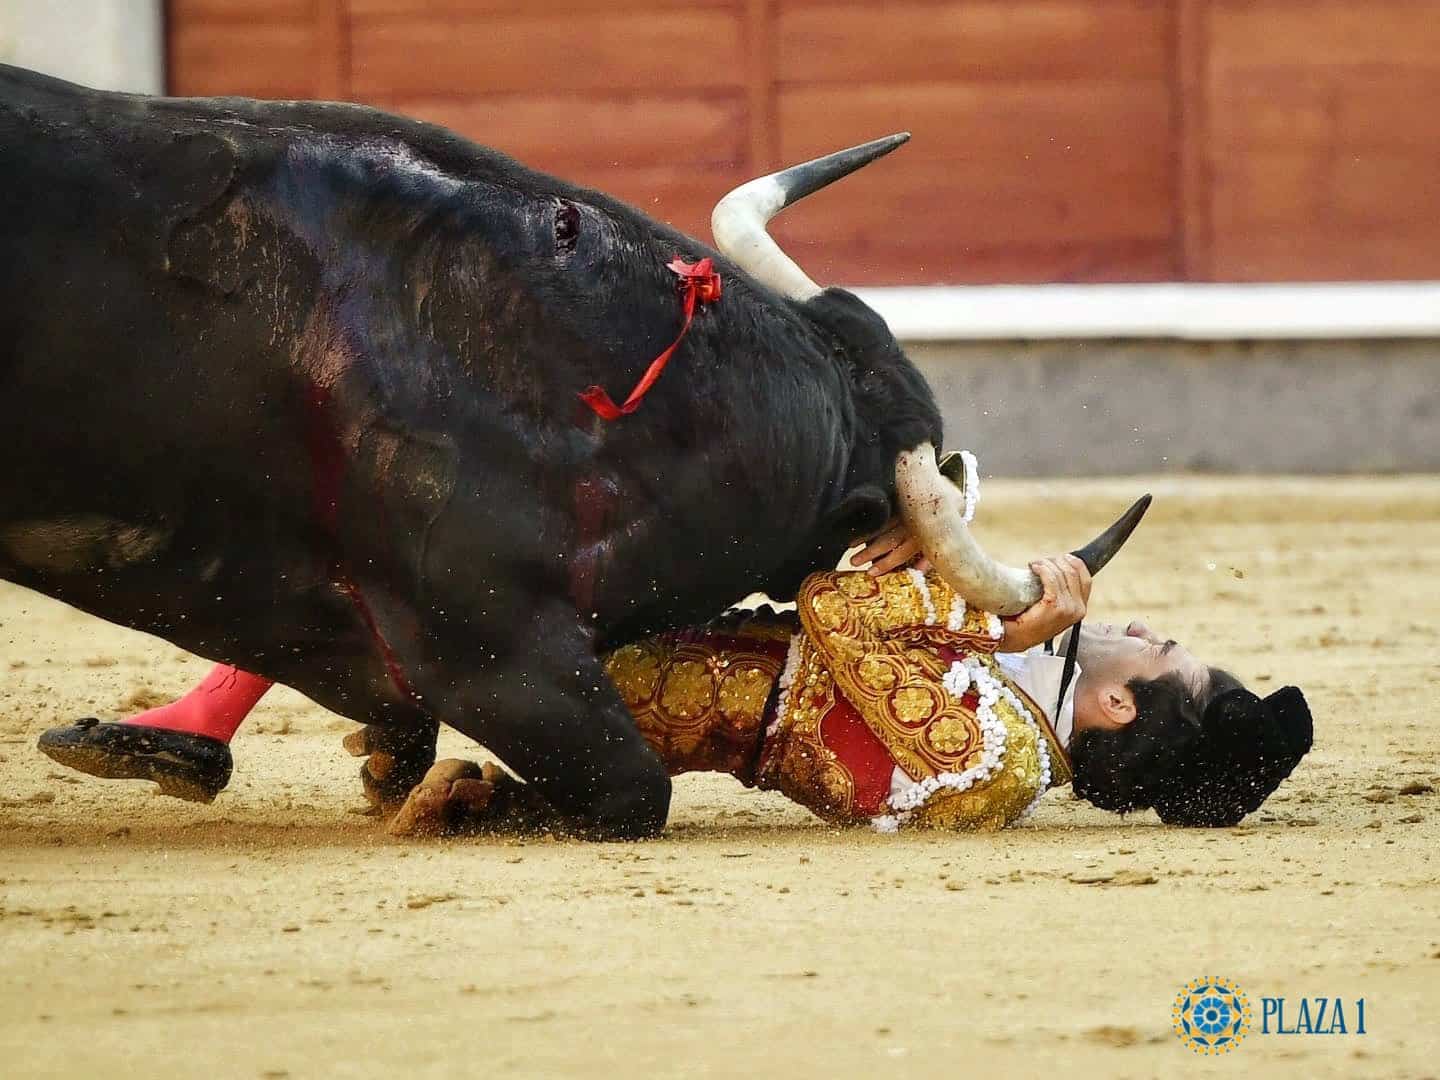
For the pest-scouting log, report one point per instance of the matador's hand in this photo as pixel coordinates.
(891, 548)
(1063, 604)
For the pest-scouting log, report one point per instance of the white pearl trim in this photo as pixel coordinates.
(956, 622)
(787, 678)
(923, 588)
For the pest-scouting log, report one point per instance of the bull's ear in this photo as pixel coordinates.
(861, 512)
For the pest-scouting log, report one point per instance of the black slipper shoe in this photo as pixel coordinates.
(193, 767)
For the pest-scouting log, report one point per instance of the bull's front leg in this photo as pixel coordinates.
(545, 706)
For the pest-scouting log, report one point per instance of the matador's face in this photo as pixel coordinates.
(1110, 656)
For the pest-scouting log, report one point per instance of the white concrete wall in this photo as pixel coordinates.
(1091, 407)
(1359, 310)
(109, 44)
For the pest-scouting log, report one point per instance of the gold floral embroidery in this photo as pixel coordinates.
(743, 693)
(699, 701)
(688, 690)
(635, 671)
(1002, 798)
(949, 735)
(913, 706)
(831, 609)
(859, 586)
(877, 672)
(885, 658)
(898, 599)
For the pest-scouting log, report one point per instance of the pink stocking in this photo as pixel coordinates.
(216, 708)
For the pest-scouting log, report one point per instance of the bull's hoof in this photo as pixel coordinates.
(461, 798)
(396, 759)
(456, 798)
(192, 767)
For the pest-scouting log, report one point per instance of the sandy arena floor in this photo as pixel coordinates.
(279, 934)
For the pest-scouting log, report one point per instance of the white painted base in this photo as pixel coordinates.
(1171, 311)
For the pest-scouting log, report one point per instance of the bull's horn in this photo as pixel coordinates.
(932, 508)
(1102, 549)
(738, 220)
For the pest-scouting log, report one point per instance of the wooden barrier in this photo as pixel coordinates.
(1055, 140)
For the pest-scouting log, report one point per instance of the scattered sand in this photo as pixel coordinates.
(279, 934)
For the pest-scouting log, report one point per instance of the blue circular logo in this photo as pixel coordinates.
(1211, 1015)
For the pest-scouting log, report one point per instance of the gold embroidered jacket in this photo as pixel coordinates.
(881, 702)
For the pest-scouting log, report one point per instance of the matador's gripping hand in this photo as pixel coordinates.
(1064, 602)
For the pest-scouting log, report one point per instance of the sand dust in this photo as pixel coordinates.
(279, 934)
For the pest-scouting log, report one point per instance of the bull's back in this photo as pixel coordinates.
(127, 385)
(90, 175)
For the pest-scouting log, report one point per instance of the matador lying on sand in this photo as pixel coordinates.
(882, 699)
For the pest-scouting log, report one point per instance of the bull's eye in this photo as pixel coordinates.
(567, 227)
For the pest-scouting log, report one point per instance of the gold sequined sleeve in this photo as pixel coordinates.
(908, 606)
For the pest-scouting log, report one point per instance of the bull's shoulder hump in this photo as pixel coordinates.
(262, 133)
(255, 127)
(341, 129)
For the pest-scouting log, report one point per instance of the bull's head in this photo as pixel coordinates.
(930, 505)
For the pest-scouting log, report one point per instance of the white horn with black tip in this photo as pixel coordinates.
(739, 219)
(933, 509)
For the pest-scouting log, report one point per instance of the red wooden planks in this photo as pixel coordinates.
(656, 52)
(1054, 139)
(1324, 148)
(992, 40)
(272, 60)
(183, 12)
(561, 134)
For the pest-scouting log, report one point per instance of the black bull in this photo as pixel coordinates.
(294, 386)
